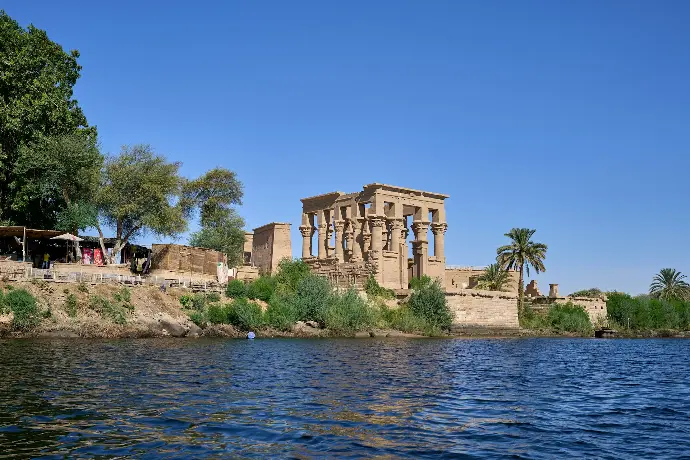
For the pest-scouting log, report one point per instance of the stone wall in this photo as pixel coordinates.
(271, 244)
(474, 309)
(186, 259)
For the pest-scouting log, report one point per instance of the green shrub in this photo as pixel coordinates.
(348, 313)
(124, 295)
(282, 313)
(24, 307)
(212, 297)
(428, 302)
(197, 318)
(373, 289)
(558, 318)
(419, 283)
(4, 308)
(245, 315)
(124, 298)
(71, 305)
(236, 289)
(291, 273)
(217, 314)
(569, 318)
(194, 301)
(108, 309)
(262, 288)
(312, 298)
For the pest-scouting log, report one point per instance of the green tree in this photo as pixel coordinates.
(494, 278)
(593, 293)
(223, 233)
(222, 229)
(56, 179)
(36, 100)
(520, 254)
(141, 192)
(669, 284)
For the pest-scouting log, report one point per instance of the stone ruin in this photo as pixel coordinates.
(350, 236)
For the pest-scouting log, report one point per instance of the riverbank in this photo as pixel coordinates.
(79, 310)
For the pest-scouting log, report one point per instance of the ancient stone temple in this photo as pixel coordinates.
(382, 230)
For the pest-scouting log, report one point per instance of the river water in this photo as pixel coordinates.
(340, 398)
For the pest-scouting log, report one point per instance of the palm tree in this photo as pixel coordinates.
(520, 254)
(494, 278)
(668, 284)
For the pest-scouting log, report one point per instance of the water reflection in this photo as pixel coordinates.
(344, 398)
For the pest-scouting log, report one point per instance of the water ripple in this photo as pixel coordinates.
(522, 398)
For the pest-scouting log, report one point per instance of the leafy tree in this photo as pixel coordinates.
(140, 192)
(669, 284)
(222, 229)
(56, 179)
(36, 81)
(593, 293)
(494, 278)
(223, 233)
(520, 254)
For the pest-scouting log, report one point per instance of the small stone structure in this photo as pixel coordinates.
(532, 290)
(270, 244)
(349, 236)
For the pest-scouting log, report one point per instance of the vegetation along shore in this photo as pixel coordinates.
(296, 303)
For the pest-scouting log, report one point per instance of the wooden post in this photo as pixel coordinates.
(24, 247)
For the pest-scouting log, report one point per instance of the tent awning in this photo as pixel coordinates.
(67, 237)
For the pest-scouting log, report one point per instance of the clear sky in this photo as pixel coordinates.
(572, 118)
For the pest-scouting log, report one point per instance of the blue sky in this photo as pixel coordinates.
(572, 118)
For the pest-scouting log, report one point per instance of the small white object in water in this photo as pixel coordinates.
(251, 335)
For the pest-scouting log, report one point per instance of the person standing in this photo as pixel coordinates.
(46, 261)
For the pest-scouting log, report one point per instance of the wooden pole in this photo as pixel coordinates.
(24, 247)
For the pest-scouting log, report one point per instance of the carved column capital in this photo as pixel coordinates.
(439, 228)
(420, 229)
(396, 224)
(306, 230)
(339, 225)
(379, 222)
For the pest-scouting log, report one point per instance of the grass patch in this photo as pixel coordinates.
(23, 305)
(71, 305)
(108, 309)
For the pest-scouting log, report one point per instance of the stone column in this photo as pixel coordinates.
(356, 240)
(339, 227)
(323, 234)
(553, 290)
(420, 247)
(396, 229)
(439, 229)
(376, 254)
(307, 232)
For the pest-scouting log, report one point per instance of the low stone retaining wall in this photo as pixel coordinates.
(475, 309)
